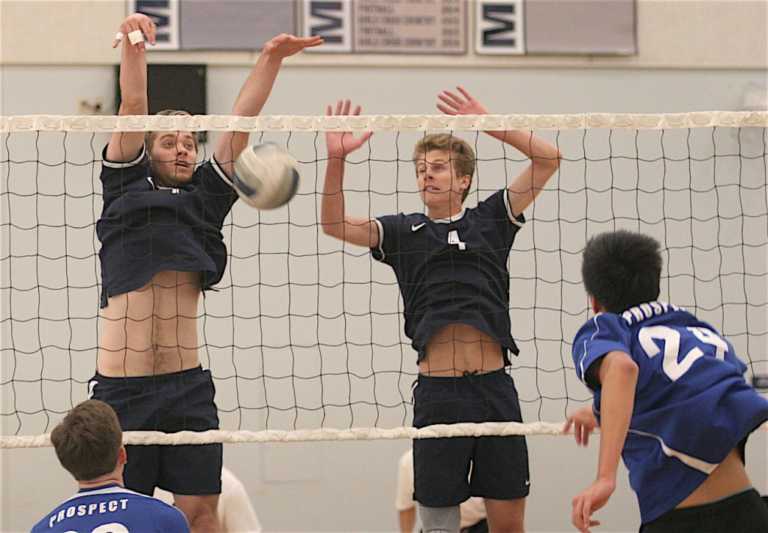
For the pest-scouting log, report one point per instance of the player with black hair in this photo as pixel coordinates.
(669, 396)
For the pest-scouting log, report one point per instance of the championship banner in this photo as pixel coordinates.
(387, 26)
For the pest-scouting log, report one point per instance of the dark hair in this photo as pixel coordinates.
(622, 269)
(462, 154)
(88, 440)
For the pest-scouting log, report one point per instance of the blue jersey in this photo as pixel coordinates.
(692, 403)
(112, 509)
(453, 270)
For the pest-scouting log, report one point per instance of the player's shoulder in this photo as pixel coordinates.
(604, 324)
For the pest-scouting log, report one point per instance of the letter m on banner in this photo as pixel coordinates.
(165, 14)
(331, 20)
(500, 27)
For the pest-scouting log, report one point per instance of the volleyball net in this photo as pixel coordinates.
(304, 336)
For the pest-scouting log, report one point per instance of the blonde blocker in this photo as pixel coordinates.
(462, 154)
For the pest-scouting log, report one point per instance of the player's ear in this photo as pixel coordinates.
(594, 305)
(122, 456)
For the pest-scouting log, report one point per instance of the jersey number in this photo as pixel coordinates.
(671, 337)
(453, 238)
(112, 527)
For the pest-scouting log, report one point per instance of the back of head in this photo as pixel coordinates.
(622, 269)
(461, 153)
(88, 440)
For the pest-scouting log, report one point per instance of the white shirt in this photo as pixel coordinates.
(471, 510)
(235, 512)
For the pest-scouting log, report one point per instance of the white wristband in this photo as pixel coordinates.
(136, 37)
(119, 36)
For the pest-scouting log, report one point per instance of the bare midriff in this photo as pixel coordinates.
(727, 479)
(458, 349)
(152, 330)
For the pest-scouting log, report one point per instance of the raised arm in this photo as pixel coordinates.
(618, 379)
(545, 158)
(126, 146)
(255, 91)
(333, 217)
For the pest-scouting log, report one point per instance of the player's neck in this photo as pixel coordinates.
(444, 211)
(107, 479)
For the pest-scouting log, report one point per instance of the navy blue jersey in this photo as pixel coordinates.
(112, 509)
(692, 403)
(453, 270)
(145, 228)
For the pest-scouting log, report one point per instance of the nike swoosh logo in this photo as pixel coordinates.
(417, 227)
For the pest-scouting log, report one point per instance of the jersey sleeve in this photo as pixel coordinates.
(219, 196)
(497, 211)
(603, 334)
(390, 232)
(118, 178)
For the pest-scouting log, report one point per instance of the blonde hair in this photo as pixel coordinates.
(462, 155)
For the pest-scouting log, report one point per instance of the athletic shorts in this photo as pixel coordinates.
(172, 402)
(447, 471)
(745, 512)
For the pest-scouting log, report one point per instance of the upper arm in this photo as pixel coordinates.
(361, 232)
(125, 146)
(612, 363)
(526, 187)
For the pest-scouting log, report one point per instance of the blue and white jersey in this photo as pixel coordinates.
(692, 403)
(112, 509)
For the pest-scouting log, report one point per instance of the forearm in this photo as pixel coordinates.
(332, 209)
(251, 99)
(618, 379)
(133, 81)
(407, 520)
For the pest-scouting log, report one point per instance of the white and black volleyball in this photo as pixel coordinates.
(265, 176)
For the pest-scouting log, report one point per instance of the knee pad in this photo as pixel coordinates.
(439, 519)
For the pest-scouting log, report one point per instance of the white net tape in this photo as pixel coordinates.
(702, 119)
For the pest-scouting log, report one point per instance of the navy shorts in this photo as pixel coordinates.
(172, 402)
(745, 512)
(447, 471)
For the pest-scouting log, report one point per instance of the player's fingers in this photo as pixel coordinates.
(586, 510)
(464, 92)
(567, 425)
(446, 110)
(576, 513)
(339, 106)
(150, 30)
(447, 100)
(345, 108)
(585, 436)
(357, 110)
(328, 110)
(458, 100)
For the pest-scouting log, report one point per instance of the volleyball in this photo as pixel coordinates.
(265, 176)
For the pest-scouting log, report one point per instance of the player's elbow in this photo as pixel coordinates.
(332, 229)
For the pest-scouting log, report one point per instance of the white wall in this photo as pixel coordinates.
(350, 486)
(670, 34)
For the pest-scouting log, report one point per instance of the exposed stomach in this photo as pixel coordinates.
(457, 349)
(152, 330)
(727, 479)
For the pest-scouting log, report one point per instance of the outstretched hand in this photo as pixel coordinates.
(463, 104)
(340, 144)
(140, 22)
(285, 44)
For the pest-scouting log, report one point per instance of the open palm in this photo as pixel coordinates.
(341, 143)
(285, 44)
(464, 104)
